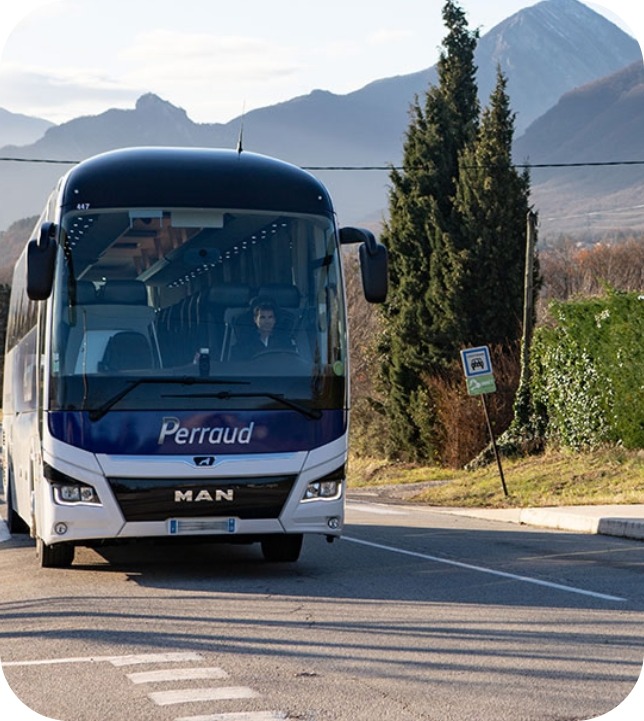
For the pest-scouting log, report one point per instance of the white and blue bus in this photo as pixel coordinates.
(127, 413)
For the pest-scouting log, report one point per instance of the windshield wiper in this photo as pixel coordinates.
(315, 413)
(96, 414)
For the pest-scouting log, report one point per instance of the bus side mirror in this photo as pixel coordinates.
(373, 262)
(41, 260)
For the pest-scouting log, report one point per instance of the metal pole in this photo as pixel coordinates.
(496, 450)
(528, 306)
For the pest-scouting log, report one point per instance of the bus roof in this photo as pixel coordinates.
(163, 177)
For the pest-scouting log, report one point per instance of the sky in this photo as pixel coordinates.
(60, 59)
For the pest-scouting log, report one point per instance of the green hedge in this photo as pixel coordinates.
(587, 372)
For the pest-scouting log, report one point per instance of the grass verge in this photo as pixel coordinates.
(556, 478)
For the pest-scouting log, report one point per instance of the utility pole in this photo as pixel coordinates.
(522, 401)
(528, 294)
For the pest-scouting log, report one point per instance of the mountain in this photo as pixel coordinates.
(546, 50)
(152, 122)
(600, 122)
(17, 129)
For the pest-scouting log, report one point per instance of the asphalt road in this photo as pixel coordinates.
(412, 615)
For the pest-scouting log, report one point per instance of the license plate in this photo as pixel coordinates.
(192, 526)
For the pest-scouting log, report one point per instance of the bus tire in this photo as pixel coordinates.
(15, 523)
(59, 555)
(282, 548)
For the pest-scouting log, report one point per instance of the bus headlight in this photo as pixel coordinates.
(328, 488)
(68, 490)
(75, 494)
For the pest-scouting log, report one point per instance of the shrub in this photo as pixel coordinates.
(587, 372)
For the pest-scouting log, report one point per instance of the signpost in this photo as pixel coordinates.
(479, 378)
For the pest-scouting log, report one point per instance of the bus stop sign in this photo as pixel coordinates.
(478, 370)
(480, 380)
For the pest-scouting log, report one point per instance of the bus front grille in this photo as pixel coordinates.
(153, 499)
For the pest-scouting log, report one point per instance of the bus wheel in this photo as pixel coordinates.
(60, 555)
(15, 524)
(282, 549)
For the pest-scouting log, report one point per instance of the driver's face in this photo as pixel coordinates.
(265, 320)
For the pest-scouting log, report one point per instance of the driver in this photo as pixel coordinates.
(265, 334)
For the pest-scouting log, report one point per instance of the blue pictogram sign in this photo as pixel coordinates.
(476, 361)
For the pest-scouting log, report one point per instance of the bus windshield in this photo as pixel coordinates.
(179, 308)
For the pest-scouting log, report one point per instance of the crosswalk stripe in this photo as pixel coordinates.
(154, 658)
(190, 695)
(239, 716)
(177, 674)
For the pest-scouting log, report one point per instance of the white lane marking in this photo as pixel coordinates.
(4, 532)
(239, 716)
(381, 509)
(490, 571)
(114, 660)
(190, 695)
(177, 674)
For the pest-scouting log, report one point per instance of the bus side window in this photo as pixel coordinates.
(29, 380)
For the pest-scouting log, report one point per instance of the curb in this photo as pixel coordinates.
(582, 522)
(623, 527)
(619, 521)
(562, 520)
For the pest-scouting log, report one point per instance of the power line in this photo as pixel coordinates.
(39, 160)
(581, 165)
(585, 164)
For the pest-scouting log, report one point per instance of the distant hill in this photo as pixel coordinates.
(17, 129)
(546, 50)
(597, 123)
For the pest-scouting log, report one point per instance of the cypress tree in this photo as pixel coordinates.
(422, 216)
(484, 294)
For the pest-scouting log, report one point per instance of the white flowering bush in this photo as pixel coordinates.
(587, 372)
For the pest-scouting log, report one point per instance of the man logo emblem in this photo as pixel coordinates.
(204, 460)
